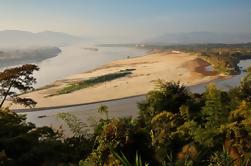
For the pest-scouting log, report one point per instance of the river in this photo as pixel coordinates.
(225, 84)
(55, 68)
(79, 58)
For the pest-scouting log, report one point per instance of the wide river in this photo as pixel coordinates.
(76, 59)
(80, 58)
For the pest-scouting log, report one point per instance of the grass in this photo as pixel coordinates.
(93, 81)
(226, 62)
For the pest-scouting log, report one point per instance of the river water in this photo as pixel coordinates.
(75, 59)
(79, 58)
(225, 84)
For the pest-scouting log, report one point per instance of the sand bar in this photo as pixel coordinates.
(183, 67)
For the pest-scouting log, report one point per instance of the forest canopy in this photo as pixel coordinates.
(174, 127)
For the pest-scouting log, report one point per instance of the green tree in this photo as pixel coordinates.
(122, 135)
(221, 159)
(237, 132)
(244, 90)
(23, 143)
(18, 79)
(77, 127)
(213, 116)
(125, 162)
(103, 109)
(163, 126)
(213, 111)
(168, 96)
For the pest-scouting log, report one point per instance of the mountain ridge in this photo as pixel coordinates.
(200, 38)
(19, 39)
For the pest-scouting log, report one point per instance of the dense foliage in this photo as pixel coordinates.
(22, 144)
(17, 79)
(174, 127)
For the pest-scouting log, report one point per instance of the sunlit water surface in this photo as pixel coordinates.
(75, 59)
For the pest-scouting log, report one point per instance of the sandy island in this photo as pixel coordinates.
(183, 67)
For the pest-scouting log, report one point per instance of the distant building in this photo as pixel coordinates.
(176, 52)
(140, 45)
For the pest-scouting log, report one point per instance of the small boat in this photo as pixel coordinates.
(42, 116)
(91, 49)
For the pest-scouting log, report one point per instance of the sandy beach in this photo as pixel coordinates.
(183, 67)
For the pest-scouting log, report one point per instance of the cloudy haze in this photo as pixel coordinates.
(126, 19)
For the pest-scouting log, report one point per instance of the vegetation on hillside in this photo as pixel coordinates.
(225, 62)
(23, 144)
(174, 127)
(15, 57)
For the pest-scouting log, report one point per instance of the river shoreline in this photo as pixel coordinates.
(183, 67)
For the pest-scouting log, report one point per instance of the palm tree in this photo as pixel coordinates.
(103, 109)
(125, 162)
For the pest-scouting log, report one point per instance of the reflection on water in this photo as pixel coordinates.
(75, 59)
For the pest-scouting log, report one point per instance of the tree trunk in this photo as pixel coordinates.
(5, 96)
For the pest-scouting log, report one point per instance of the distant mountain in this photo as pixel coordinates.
(23, 56)
(17, 39)
(200, 38)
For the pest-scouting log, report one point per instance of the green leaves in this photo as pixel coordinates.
(221, 159)
(125, 162)
(76, 126)
(174, 127)
(168, 96)
(172, 122)
(18, 79)
(92, 81)
(213, 111)
(103, 109)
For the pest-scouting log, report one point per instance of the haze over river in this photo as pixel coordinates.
(79, 58)
(76, 58)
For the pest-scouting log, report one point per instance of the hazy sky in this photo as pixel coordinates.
(126, 18)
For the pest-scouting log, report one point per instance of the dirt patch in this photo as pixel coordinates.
(199, 65)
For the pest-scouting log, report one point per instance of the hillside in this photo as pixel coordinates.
(20, 39)
(200, 38)
(174, 127)
(22, 56)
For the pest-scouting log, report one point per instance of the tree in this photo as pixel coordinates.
(22, 143)
(169, 96)
(15, 80)
(104, 109)
(244, 90)
(237, 132)
(77, 127)
(163, 126)
(213, 115)
(213, 111)
(122, 135)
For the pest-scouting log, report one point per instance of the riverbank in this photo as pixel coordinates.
(145, 71)
(16, 57)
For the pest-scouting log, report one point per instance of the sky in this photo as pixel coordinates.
(126, 18)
